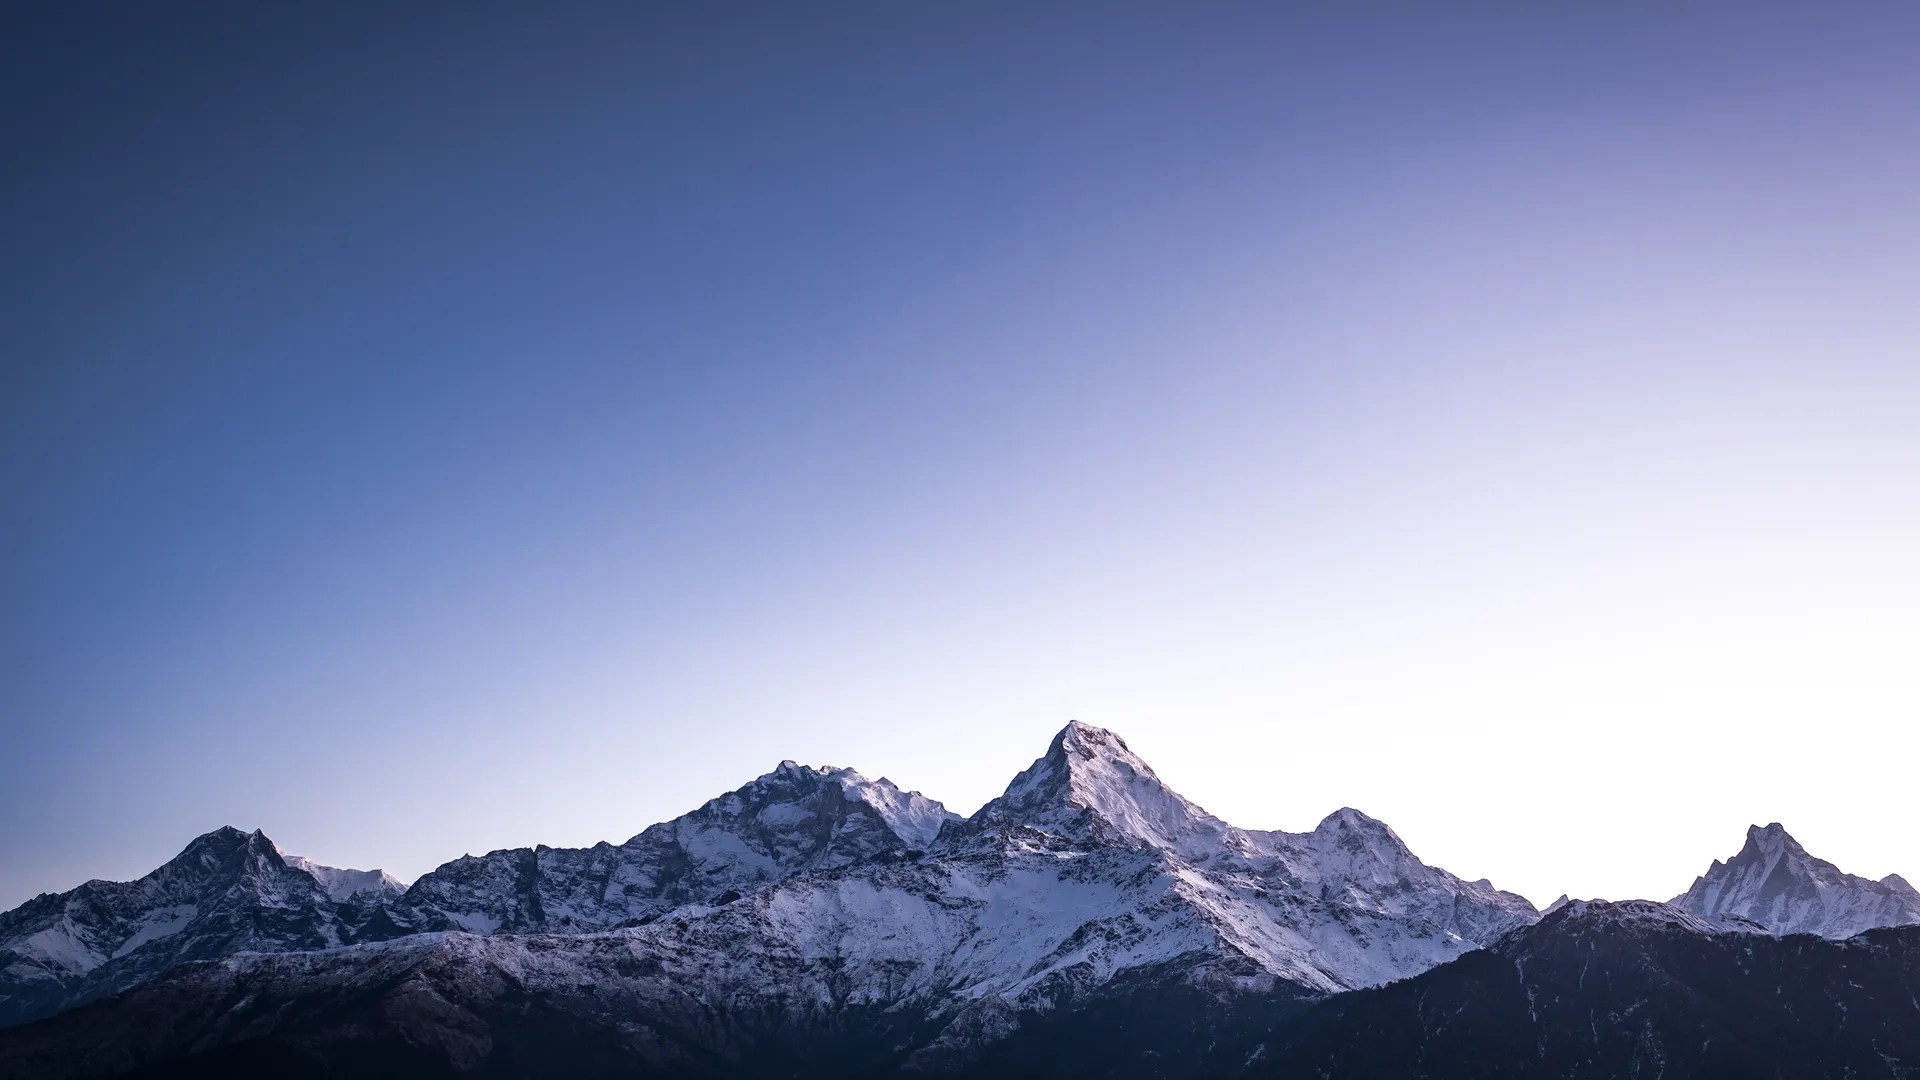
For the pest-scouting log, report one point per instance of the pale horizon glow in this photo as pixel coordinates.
(521, 432)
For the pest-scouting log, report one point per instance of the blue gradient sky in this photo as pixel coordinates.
(428, 432)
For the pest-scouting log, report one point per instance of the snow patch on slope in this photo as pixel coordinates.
(912, 816)
(342, 886)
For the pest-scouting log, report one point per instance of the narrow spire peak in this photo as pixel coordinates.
(1772, 839)
(1775, 883)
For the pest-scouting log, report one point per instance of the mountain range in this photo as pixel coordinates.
(1089, 921)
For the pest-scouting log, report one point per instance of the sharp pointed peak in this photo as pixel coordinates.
(1086, 742)
(1772, 839)
(1079, 733)
(1776, 883)
(225, 847)
(1089, 786)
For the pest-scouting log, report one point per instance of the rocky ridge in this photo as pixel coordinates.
(1090, 919)
(793, 819)
(1086, 871)
(228, 892)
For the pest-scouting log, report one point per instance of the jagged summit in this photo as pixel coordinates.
(911, 816)
(794, 819)
(1775, 883)
(231, 854)
(1087, 869)
(227, 891)
(211, 851)
(793, 791)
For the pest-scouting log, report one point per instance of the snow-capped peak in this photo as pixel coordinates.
(1089, 787)
(1775, 883)
(794, 819)
(1350, 846)
(227, 891)
(841, 866)
(1354, 830)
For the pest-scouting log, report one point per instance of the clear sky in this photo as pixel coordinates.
(429, 431)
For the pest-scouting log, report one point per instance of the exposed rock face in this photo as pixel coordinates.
(814, 905)
(1088, 922)
(793, 819)
(1774, 883)
(228, 892)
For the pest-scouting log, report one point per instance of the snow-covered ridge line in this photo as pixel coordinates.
(1087, 868)
(791, 820)
(1088, 859)
(344, 885)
